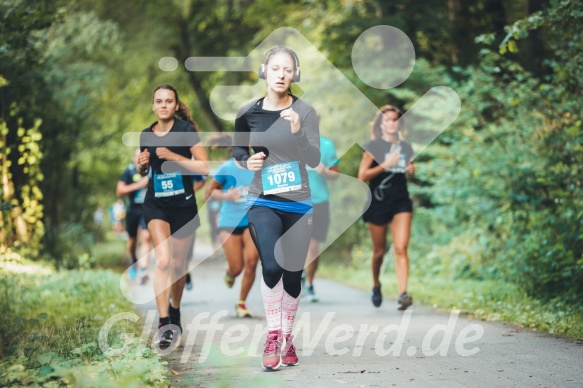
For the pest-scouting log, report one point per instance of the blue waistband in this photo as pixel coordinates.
(301, 207)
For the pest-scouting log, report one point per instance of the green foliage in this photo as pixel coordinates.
(78, 55)
(110, 254)
(76, 255)
(508, 171)
(561, 20)
(498, 195)
(21, 227)
(55, 319)
(47, 75)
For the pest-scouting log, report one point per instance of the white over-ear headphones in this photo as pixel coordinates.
(262, 68)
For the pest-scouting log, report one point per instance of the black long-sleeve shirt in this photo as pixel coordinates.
(265, 131)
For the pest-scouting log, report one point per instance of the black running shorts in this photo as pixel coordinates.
(237, 231)
(381, 213)
(183, 220)
(134, 219)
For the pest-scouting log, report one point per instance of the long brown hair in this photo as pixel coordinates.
(377, 131)
(182, 113)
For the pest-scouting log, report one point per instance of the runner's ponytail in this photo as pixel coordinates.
(184, 114)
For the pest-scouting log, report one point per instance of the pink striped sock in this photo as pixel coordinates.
(272, 298)
(289, 307)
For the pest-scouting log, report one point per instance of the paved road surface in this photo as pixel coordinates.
(344, 341)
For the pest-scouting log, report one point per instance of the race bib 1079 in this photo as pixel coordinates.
(281, 178)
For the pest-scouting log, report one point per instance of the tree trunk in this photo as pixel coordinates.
(182, 51)
(461, 38)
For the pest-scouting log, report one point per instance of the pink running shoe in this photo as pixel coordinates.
(272, 351)
(288, 356)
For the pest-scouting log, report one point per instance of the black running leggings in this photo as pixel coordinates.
(281, 256)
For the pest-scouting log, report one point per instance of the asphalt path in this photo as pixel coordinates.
(343, 340)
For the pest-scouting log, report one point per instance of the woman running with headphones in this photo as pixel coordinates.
(283, 132)
(170, 211)
(390, 203)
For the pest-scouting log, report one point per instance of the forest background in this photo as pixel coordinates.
(498, 218)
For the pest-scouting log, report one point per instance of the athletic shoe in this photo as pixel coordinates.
(163, 339)
(272, 351)
(174, 315)
(188, 285)
(132, 273)
(229, 280)
(242, 312)
(288, 355)
(376, 298)
(405, 300)
(311, 294)
(143, 277)
(175, 320)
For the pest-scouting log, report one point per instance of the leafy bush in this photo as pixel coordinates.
(74, 246)
(499, 194)
(54, 320)
(21, 227)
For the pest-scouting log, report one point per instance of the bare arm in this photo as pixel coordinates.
(410, 168)
(126, 188)
(198, 185)
(144, 163)
(330, 173)
(366, 172)
(211, 188)
(215, 191)
(199, 165)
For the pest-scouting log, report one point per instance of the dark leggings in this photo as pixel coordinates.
(281, 256)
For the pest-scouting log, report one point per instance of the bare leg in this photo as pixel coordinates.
(160, 232)
(378, 235)
(233, 248)
(145, 246)
(401, 231)
(190, 256)
(179, 248)
(313, 259)
(132, 248)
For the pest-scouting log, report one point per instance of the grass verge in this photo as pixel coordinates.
(111, 254)
(52, 323)
(488, 300)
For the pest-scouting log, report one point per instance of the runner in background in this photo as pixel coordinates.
(216, 145)
(213, 208)
(318, 177)
(390, 204)
(168, 147)
(198, 182)
(230, 184)
(212, 205)
(132, 185)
